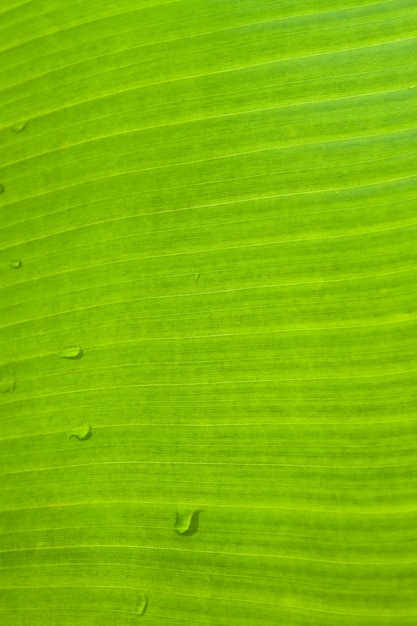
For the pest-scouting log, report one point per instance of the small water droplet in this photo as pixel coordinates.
(187, 523)
(196, 277)
(19, 127)
(16, 263)
(141, 604)
(71, 352)
(82, 432)
(7, 381)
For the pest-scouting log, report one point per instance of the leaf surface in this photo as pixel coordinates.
(208, 313)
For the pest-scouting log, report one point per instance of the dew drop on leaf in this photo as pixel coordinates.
(16, 263)
(71, 352)
(18, 128)
(187, 523)
(196, 277)
(7, 381)
(81, 432)
(141, 604)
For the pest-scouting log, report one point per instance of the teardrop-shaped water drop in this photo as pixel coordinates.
(71, 352)
(187, 523)
(7, 381)
(141, 604)
(15, 264)
(81, 432)
(19, 127)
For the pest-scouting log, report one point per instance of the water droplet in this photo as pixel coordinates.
(16, 263)
(81, 432)
(187, 523)
(19, 127)
(2, 188)
(196, 277)
(7, 381)
(71, 352)
(141, 604)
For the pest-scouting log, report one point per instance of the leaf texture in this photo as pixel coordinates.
(208, 313)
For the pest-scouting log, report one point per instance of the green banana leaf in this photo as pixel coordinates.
(208, 313)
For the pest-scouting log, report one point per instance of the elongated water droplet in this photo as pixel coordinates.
(81, 432)
(7, 381)
(16, 263)
(19, 127)
(71, 352)
(186, 523)
(196, 277)
(141, 604)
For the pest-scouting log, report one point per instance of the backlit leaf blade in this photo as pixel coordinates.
(207, 322)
